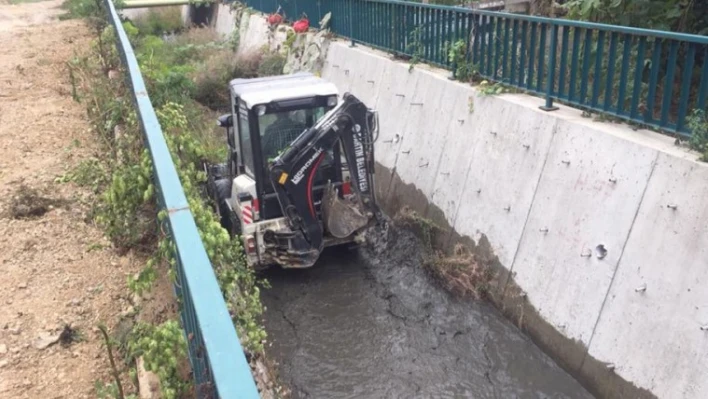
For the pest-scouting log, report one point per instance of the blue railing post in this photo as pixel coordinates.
(351, 23)
(551, 70)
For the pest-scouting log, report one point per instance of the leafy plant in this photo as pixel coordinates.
(160, 21)
(457, 57)
(81, 9)
(289, 39)
(163, 348)
(110, 391)
(415, 46)
(698, 124)
(271, 64)
(487, 89)
(88, 173)
(670, 15)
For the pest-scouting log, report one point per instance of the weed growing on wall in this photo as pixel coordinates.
(415, 47)
(493, 89)
(457, 57)
(460, 273)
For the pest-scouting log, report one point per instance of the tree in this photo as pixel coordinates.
(688, 16)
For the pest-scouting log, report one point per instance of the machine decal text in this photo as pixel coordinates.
(360, 165)
(301, 173)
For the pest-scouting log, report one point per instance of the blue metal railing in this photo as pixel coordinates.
(654, 78)
(218, 362)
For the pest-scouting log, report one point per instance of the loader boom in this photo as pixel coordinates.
(352, 125)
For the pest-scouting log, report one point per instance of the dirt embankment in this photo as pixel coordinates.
(60, 277)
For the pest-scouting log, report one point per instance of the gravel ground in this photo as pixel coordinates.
(58, 272)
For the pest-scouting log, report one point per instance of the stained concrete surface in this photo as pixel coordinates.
(372, 324)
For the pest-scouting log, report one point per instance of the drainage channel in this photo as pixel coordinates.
(372, 324)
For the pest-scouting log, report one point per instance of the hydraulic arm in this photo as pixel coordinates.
(292, 174)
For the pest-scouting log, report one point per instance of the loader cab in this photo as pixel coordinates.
(267, 114)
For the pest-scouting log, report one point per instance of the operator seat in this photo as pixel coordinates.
(279, 135)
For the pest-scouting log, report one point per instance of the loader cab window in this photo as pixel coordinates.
(244, 133)
(279, 129)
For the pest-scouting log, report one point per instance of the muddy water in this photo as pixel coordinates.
(371, 324)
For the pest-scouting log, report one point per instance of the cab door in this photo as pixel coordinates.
(234, 157)
(244, 199)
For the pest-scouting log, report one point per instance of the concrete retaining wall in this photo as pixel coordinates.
(545, 190)
(538, 195)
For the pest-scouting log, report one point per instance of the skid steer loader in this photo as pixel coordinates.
(300, 170)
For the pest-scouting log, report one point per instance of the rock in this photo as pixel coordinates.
(15, 331)
(15, 350)
(148, 383)
(262, 373)
(46, 340)
(129, 311)
(3, 349)
(22, 286)
(74, 302)
(4, 363)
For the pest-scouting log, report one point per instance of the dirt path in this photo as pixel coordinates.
(56, 269)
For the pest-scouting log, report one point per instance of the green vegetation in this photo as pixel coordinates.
(23, 1)
(460, 273)
(187, 78)
(271, 64)
(487, 89)
(687, 16)
(424, 228)
(457, 56)
(415, 46)
(159, 21)
(690, 16)
(161, 348)
(88, 9)
(698, 124)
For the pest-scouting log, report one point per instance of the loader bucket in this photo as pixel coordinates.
(341, 217)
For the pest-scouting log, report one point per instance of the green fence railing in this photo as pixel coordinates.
(650, 77)
(219, 365)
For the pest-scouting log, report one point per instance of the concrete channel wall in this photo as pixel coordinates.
(599, 232)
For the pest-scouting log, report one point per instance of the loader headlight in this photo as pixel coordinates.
(331, 101)
(260, 110)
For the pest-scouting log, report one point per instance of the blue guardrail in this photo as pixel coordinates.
(650, 77)
(219, 365)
